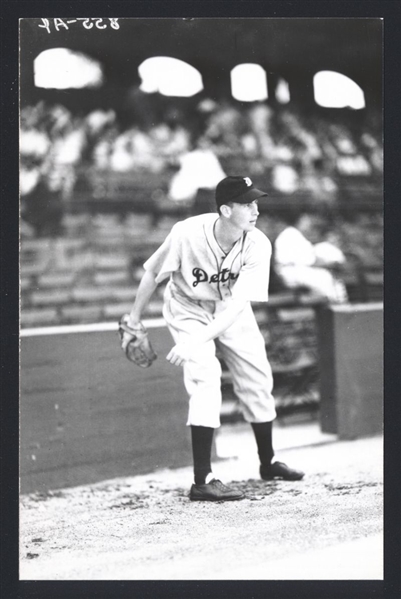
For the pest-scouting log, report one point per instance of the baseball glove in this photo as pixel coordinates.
(138, 348)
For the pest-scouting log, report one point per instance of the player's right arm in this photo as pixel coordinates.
(146, 288)
(145, 291)
(158, 267)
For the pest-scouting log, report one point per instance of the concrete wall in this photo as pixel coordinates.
(87, 414)
(351, 365)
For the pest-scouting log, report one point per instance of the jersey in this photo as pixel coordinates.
(201, 270)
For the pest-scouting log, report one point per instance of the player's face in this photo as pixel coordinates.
(244, 216)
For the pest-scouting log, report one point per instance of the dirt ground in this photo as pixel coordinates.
(328, 526)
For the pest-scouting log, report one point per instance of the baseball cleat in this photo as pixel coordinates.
(280, 470)
(214, 491)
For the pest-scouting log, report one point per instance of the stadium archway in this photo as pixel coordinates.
(170, 77)
(248, 83)
(62, 68)
(335, 90)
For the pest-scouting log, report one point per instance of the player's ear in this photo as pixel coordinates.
(225, 210)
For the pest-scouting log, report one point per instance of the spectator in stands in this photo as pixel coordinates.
(200, 115)
(170, 141)
(224, 127)
(65, 156)
(140, 108)
(374, 150)
(302, 141)
(316, 181)
(48, 159)
(43, 208)
(260, 118)
(137, 150)
(34, 143)
(34, 146)
(126, 144)
(199, 169)
(285, 178)
(303, 260)
(103, 148)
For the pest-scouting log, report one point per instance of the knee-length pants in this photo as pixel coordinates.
(242, 348)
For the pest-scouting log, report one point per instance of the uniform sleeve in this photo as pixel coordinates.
(166, 259)
(253, 281)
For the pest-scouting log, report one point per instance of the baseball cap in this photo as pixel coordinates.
(237, 189)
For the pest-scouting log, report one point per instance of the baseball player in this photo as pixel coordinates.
(217, 264)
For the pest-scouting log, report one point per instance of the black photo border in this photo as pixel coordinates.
(10, 586)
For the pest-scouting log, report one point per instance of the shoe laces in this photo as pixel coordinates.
(217, 483)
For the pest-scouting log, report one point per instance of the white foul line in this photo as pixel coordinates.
(98, 327)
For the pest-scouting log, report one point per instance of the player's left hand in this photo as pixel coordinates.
(180, 353)
(135, 342)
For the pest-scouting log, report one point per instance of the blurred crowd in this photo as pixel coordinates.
(193, 150)
(295, 152)
(320, 251)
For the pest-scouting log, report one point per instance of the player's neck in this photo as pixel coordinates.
(226, 234)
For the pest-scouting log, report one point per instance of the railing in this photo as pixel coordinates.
(148, 192)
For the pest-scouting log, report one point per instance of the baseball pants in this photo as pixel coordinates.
(243, 349)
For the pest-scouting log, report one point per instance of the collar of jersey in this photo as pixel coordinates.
(213, 236)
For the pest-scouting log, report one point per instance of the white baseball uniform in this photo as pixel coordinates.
(203, 278)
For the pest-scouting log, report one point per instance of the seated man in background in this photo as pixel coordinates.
(302, 259)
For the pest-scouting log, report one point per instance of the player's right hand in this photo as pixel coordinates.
(180, 353)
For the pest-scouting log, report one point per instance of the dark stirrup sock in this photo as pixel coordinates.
(202, 439)
(264, 441)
